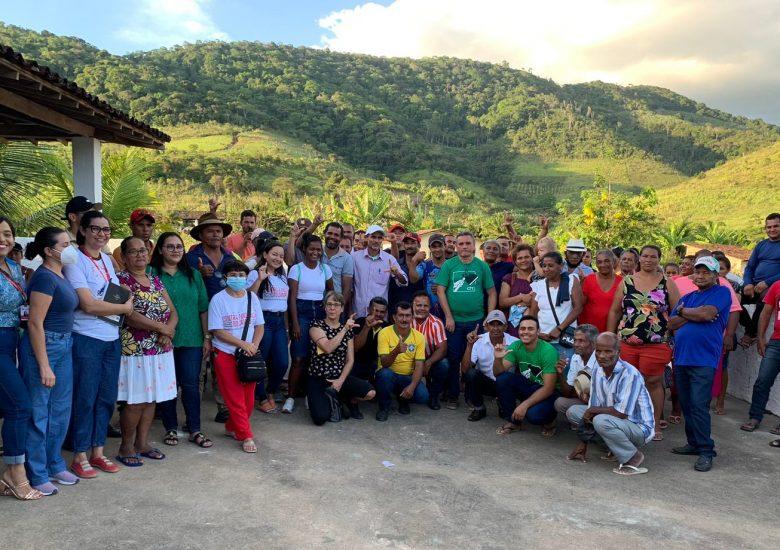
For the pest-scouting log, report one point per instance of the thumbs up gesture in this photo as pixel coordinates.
(402, 346)
(205, 270)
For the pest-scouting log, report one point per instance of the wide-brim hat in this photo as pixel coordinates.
(210, 219)
(582, 383)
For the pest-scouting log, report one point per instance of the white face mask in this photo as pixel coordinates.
(69, 256)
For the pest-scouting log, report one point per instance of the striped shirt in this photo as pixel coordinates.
(433, 330)
(625, 391)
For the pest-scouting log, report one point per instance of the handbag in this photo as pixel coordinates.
(566, 339)
(251, 369)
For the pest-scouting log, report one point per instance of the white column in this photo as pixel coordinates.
(87, 166)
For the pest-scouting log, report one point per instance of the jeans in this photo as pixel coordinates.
(308, 311)
(51, 407)
(456, 347)
(619, 434)
(437, 375)
(14, 399)
(188, 363)
(273, 348)
(510, 386)
(767, 373)
(389, 383)
(694, 387)
(477, 386)
(95, 380)
(319, 404)
(562, 350)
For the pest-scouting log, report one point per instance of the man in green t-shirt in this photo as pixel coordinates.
(526, 370)
(462, 284)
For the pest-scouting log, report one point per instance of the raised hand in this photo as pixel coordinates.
(262, 272)
(213, 205)
(508, 218)
(318, 219)
(350, 322)
(205, 270)
(419, 257)
(391, 238)
(472, 336)
(544, 222)
(500, 351)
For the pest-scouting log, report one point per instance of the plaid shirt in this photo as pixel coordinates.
(625, 391)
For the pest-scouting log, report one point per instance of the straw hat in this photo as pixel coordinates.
(582, 383)
(210, 219)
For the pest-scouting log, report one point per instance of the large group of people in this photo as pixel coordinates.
(591, 340)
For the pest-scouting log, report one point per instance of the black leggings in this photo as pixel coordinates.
(319, 404)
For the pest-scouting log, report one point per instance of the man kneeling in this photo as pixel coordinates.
(401, 358)
(619, 411)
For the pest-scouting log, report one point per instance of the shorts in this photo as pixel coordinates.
(649, 359)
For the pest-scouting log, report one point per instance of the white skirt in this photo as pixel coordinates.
(147, 378)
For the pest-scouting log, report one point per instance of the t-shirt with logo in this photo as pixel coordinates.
(229, 313)
(388, 339)
(533, 364)
(466, 285)
(772, 299)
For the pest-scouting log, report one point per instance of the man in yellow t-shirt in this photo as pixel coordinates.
(401, 356)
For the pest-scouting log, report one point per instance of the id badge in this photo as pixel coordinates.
(24, 313)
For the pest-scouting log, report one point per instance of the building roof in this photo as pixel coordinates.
(37, 104)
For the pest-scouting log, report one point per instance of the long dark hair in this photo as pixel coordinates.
(157, 260)
(261, 261)
(45, 238)
(86, 220)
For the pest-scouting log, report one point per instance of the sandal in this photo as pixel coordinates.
(663, 424)
(201, 440)
(628, 470)
(153, 454)
(249, 446)
(775, 443)
(749, 426)
(775, 430)
(659, 436)
(267, 407)
(579, 455)
(609, 457)
(508, 428)
(23, 491)
(675, 419)
(171, 438)
(132, 461)
(549, 432)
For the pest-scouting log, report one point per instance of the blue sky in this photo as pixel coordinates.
(725, 53)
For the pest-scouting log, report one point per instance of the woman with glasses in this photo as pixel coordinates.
(192, 340)
(147, 374)
(332, 358)
(96, 347)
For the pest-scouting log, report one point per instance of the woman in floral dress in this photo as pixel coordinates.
(639, 315)
(147, 374)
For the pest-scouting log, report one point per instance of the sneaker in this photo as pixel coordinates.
(452, 404)
(703, 464)
(222, 416)
(64, 478)
(289, 405)
(47, 489)
(685, 450)
(382, 414)
(84, 470)
(354, 411)
(403, 406)
(433, 403)
(477, 415)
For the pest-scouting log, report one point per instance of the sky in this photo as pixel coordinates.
(725, 53)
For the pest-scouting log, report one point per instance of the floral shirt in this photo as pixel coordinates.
(149, 302)
(11, 298)
(329, 365)
(645, 314)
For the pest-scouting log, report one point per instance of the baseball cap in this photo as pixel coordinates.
(140, 214)
(436, 238)
(396, 227)
(375, 229)
(79, 204)
(412, 236)
(495, 315)
(709, 262)
(576, 245)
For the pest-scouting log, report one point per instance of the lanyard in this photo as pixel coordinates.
(103, 272)
(14, 284)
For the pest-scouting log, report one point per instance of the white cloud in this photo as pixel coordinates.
(156, 23)
(719, 51)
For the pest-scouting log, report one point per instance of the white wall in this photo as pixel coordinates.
(743, 371)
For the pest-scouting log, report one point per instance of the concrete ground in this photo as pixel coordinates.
(429, 480)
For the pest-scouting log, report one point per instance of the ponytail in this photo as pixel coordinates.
(45, 238)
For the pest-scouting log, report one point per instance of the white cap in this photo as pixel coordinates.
(576, 245)
(375, 229)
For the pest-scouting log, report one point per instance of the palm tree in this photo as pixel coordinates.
(718, 233)
(24, 170)
(673, 237)
(364, 205)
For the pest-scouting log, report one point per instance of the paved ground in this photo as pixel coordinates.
(431, 480)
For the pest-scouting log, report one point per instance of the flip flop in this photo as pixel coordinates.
(154, 454)
(628, 470)
(659, 436)
(249, 446)
(609, 457)
(675, 419)
(775, 430)
(132, 461)
(506, 430)
(749, 426)
(663, 424)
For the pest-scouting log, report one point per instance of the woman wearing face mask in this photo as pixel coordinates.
(308, 282)
(14, 398)
(46, 360)
(147, 375)
(192, 340)
(96, 348)
(227, 318)
(269, 281)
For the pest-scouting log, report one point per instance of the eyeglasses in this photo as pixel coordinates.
(97, 229)
(332, 304)
(174, 247)
(137, 252)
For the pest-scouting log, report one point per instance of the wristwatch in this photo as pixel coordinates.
(208, 336)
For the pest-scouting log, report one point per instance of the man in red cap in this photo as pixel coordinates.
(395, 235)
(141, 224)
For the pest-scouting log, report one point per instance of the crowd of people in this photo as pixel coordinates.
(591, 340)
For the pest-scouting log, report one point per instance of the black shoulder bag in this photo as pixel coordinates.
(250, 368)
(566, 339)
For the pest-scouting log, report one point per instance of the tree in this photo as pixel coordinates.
(717, 233)
(673, 237)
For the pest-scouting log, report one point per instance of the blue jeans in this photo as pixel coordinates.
(568, 352)
(50, 406)
(308, 311)
(95, 380)
(477, 386)
(438, 376)
(694, 388)
(767, 373)
(510, 386)
(187, 361)
(456, 347)
(389, 383)
(273, 348)
(14, 399)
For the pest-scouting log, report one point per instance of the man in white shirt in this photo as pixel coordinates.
(477, 363)
(584, 359)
